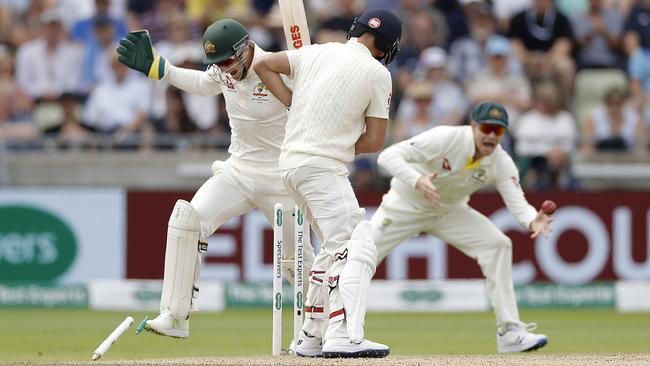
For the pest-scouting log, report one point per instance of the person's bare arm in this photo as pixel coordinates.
(641, 143)
(373, 138)
(138, 122)
(630, 42)
(588, 137)
(520, 50)
(637, 92)
(614, 41)
(561, 48)
(268, 68)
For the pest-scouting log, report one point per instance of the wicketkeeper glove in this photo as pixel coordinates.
(137, 53)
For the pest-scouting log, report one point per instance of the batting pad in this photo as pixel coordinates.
(354, 280)
(181, 260)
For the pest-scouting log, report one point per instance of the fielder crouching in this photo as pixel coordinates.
(434, 173)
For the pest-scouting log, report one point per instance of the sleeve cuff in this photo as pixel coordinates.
(411, 177)
(527, 218)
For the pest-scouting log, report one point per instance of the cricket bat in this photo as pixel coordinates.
(294, 23)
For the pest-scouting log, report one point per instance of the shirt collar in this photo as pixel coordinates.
(484, 161)
(354, 42)
(257, 53)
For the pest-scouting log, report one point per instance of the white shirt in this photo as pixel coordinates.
(257, 118)
(202, 109)
(40, 72)
(448, 98)
(505, 9)
(488, 82)
(537, 133)
(336, 86)
(603, 125)
(448, 150)
(112, 104)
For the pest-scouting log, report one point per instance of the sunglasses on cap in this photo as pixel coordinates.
(488, 128)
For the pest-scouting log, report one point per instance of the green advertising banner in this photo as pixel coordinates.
(255, 295)
(595, 295)
(62, 235)
(35, 244)
(32, 295)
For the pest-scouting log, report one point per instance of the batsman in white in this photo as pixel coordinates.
(339, 107)
(434, 173)
(249, 178)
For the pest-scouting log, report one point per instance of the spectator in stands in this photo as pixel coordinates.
(335, 27)
(499, 83)
(545, 138)
(419, 95)
(98, 53)
(467, 56)
(598, 34)
(504, 10)
(364, 176)
(423, 29)
(614, 126)
(157, 20)
(266, 30)
(543, 39)
(419, 15)
(119, 106)
(28, 24)
(448, 105)
(639, 72)
(181, 50)
(71, 132)
(205, 12)
(15, 106)
(202, 109)
(455, 18)
(177, 119)
(135, 9)
(6, 24)
(85, 31)
(572, 8)
(637, 27)
(47, 67)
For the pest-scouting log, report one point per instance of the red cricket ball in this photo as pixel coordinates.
(548, 207)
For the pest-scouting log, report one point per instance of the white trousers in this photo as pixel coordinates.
(235, 189)
(466, 229)
(326, 197)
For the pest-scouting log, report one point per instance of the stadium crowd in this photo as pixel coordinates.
(574, 74)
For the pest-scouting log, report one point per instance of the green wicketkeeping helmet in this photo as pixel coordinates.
(223, 39)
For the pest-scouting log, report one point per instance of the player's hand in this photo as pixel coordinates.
(541, 225)
(137, 53)
(425, 185)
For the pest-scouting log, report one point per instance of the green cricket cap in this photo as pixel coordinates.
(492, 113)
(221, 39)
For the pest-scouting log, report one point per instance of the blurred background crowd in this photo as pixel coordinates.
(574, 75)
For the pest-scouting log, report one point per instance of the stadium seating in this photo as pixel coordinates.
(590, 87)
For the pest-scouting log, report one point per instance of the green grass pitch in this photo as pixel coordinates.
(61, 334)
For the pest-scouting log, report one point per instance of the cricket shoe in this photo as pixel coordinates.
(519, 339)
(307, 346)
(343, 348)
(166, 325)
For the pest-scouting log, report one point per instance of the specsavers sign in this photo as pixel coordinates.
(61, 235)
